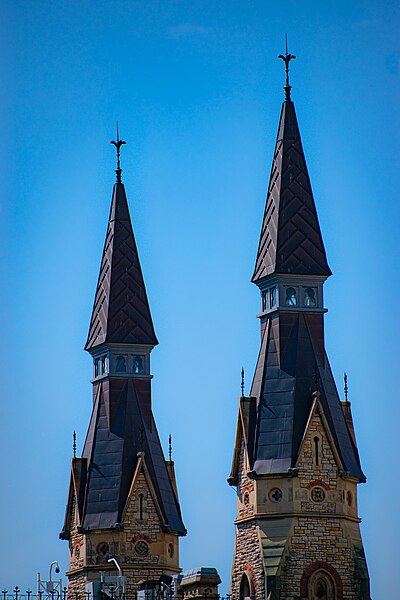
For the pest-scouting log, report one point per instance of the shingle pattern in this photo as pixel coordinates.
(290, 239)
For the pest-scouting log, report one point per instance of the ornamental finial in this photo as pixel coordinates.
(74, 444)
(286, 59)
(170, 447)
(242, 382)
(118, 145)
(346, 387)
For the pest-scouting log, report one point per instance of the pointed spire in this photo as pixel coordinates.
(121, 311)
(118, 143)
(290, 240)
(286, 59)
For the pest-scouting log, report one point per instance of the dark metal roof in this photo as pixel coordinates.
(121, 312)
(291, 364)
(121, 427)
(290, 240)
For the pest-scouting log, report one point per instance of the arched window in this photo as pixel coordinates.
(246, 588)
(291, 297)
(138, 364)
(322, 587)
(272, 297)
(120, 365)
(309, 297)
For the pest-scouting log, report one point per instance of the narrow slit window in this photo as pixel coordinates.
(141, 507)
(104, 364)
(316, 451)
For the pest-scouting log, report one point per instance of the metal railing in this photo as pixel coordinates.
(18, 594)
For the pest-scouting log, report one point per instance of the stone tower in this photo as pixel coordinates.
(296, 465)
(123, 500)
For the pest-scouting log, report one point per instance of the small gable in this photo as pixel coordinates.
(318, 458)
(142, 514)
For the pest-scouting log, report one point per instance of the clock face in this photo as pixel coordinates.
(317, 494)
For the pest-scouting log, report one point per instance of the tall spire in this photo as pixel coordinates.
(290, 240)
(121, 311)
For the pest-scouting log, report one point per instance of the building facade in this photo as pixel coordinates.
(296, 466)
(123, 506)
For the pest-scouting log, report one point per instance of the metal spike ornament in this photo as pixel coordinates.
(346, 388)
(242, 383)
(170, 447)
(118, 145)
(74, 444)
(286, 59)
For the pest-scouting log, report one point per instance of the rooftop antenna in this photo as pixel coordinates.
(118, 145)
(170, 447)
(286, 59)
(242, 382)
(74, 444)
(346, 388)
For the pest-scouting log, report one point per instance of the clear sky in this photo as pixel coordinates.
(197, 89)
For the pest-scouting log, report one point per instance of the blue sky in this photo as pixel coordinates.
(197, 89)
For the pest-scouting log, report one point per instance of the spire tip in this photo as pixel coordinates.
(287, 57)
(118, 143)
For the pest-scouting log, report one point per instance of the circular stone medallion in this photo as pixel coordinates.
(317, 494)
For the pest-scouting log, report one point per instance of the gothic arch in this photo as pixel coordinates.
(246, 587)
(323, 579)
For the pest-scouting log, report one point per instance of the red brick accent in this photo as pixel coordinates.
(316, 567)
(252, 575)
(136, 538)
(320, 483)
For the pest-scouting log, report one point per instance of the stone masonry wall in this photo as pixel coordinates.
(318, 536)
(142, 549)
(247, 554)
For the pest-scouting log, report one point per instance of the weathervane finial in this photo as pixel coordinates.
(118, 145)
(286, 59)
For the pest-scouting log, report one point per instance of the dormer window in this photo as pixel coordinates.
(120, 364)
(291, 297)
(138, 366)
(309, 297)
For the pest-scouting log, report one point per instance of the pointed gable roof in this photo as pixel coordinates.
(290, 240)
(121, 312)
(289, 362)
(121, 433)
